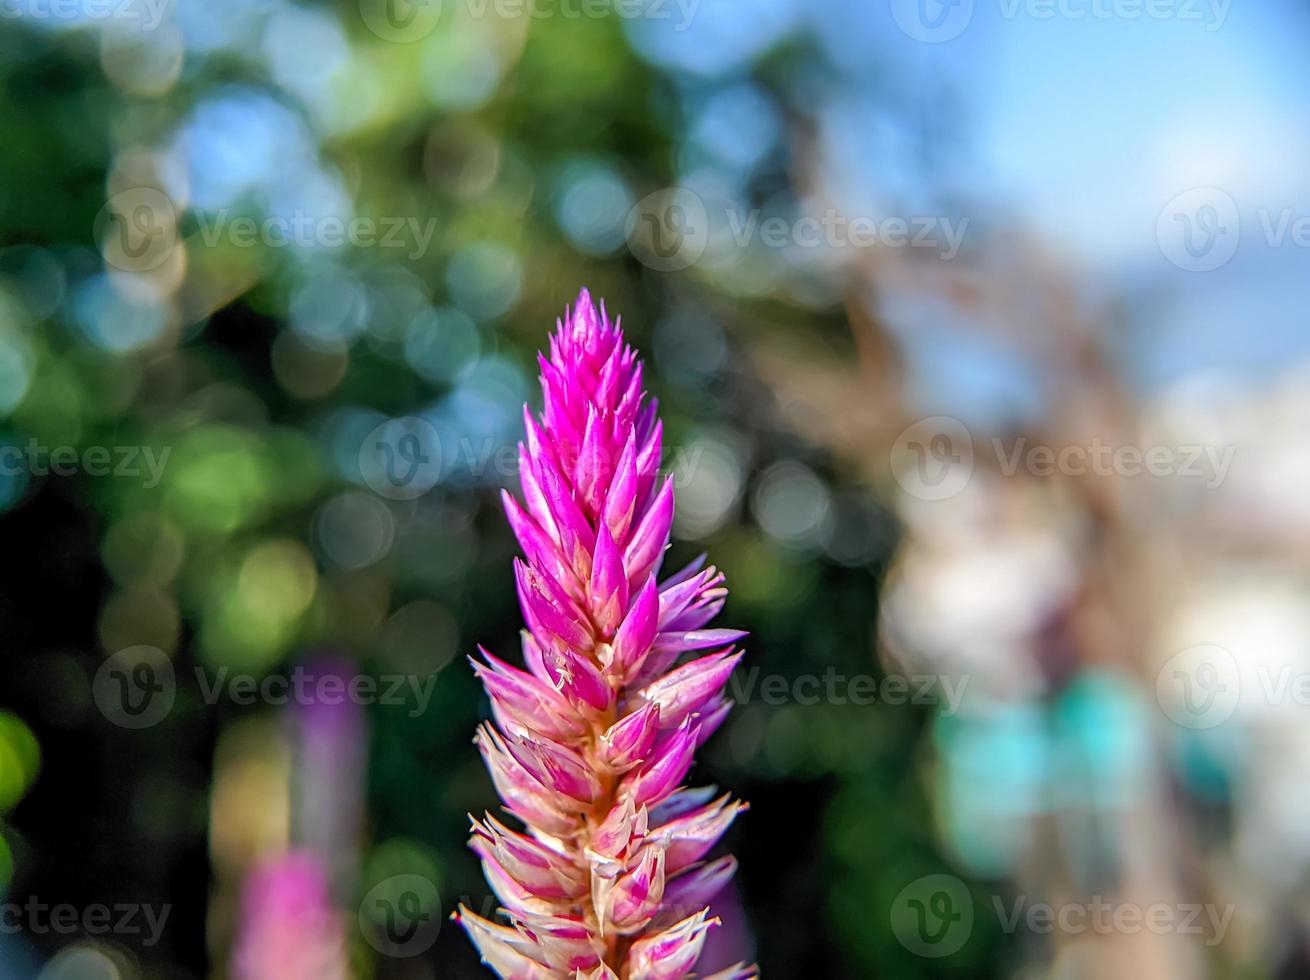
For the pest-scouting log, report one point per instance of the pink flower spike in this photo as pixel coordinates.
(590, 742)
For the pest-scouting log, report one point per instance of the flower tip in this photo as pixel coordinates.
(586, 319)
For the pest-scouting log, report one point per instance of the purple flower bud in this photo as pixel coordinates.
(696, 887)
(687, 837)
(592, 740)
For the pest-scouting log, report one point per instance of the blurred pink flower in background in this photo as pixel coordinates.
(288, 927)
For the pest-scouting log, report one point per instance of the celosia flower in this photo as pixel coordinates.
(592, 742)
